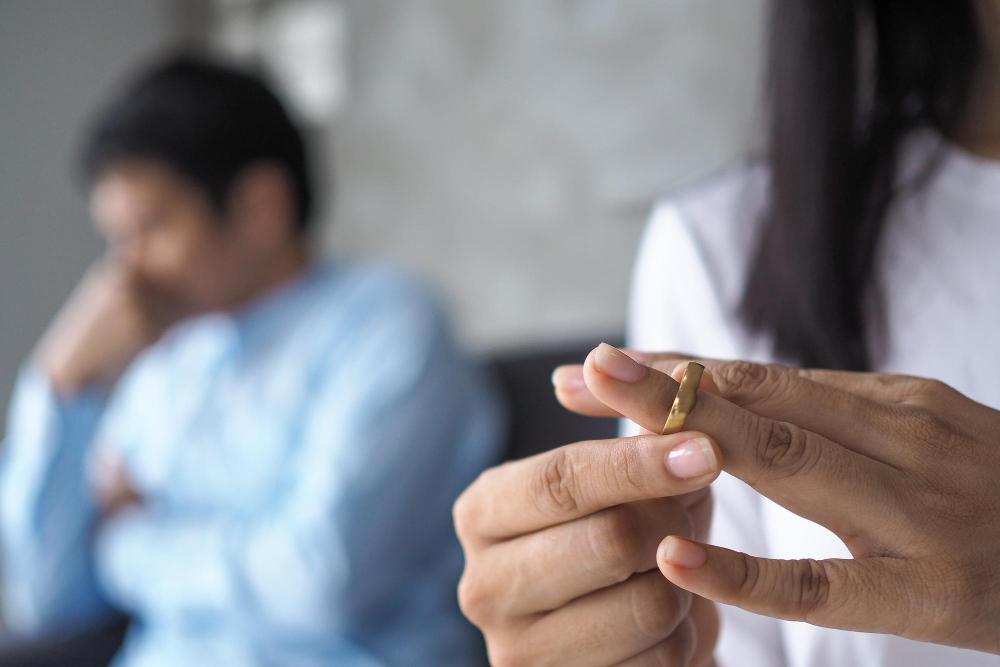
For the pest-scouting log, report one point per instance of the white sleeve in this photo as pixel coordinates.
(676, 305)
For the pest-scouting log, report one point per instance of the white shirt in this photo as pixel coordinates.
(940, 267)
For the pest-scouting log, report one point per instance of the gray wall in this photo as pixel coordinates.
(56, 60)
(510, 151)
(506, 151)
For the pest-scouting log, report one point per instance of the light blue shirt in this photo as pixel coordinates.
(298, 461)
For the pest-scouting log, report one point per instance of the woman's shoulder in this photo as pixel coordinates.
(719, 214)
(689, 275)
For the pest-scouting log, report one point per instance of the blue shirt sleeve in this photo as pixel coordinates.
(358, 545)
(47, 511)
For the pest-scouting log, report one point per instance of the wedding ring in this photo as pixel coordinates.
(684, 402)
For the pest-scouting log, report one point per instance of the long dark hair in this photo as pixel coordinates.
(848, 79)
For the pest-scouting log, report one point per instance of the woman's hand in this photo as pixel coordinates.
(904, 470)
(561, 553)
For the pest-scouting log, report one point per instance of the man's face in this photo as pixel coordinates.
(165, 231)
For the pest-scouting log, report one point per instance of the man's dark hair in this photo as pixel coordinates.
(204, 120)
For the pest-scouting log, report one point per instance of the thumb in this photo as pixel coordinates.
(640, 392)
(870, 595)
(574, 394)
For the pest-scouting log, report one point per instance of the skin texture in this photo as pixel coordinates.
(170, 255)
(561, 552)
(559, 546)
(907, 482)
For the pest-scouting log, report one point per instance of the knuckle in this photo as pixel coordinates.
(811, 586)
(748, 579)
(806, 590)
(673, 652)
(942, 505)
(680, 646)
(927, 393)
(616, 540)
(656, 607)
(739, 381)
(465, 513)
(460, 515)
(473, 598)
(511, 648)
(941, 584)
(927, 429)
(506, 654)
(624, 467)
(781, 450)
(556, 486)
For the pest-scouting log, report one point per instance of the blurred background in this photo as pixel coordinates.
(507, 152)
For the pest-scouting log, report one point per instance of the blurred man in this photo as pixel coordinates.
(253, 453)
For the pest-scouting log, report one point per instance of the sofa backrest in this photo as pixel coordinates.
(537, 421)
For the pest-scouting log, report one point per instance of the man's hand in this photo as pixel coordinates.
(109, 319)
(561, 553)
(115, 490)
(903, 469)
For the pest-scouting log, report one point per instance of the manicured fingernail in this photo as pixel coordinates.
(682, 553)
(678, 371)
(618, 365)
(568, 378)
(692, 458)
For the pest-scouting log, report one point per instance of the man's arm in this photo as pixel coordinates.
(47, 512)
(358, 545)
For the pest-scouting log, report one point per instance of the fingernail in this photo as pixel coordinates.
(568, 378)
(692, 458)
(618, 365)
(682, 553)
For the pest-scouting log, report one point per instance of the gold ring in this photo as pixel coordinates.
(684, 402)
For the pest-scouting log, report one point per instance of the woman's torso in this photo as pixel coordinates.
(939, 269)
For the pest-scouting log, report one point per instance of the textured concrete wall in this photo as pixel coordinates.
(510, 151)
(56, 61)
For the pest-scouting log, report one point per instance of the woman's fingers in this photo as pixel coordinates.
(544, 570)
(904, 394)
(572, 392)
(607, 626)
(809, 474)
(786, 394)
(880, 387)
(872, 594)
(577, 480)
(705, 616)
(677, 650)
(815, 400)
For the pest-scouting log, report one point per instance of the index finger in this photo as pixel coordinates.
(800, 469)
(577, 480)
(571, 387)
